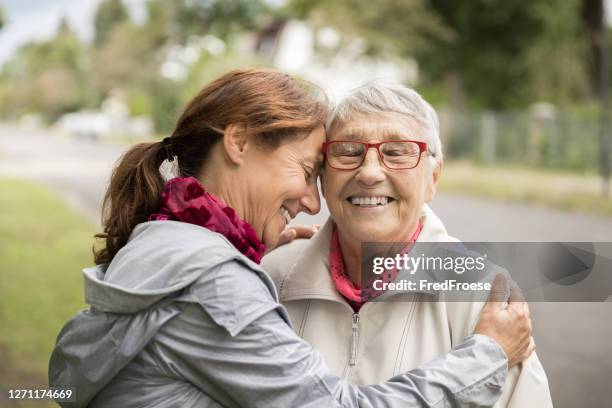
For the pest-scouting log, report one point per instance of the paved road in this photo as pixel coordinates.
(574, 339)
(79, 170)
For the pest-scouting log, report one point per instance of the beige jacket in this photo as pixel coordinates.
(384, 338)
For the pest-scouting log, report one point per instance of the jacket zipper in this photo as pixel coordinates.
(354, 339)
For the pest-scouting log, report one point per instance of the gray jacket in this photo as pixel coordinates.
(180, 318)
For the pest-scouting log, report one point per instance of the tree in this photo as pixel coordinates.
(593, 12)
(1, 18)
(182, 19)
(387, 26)
(558, 57)
(479, 49)
(487, 50)
(131, 56)
(49, 77)
(128, 58)
(110, 13)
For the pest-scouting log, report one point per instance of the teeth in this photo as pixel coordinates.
(369, 201)
(286, 214)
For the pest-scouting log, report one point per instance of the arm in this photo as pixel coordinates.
(267, 365)
(526, 384)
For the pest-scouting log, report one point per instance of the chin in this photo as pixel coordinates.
(372, 233)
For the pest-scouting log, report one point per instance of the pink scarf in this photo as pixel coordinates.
(184, 199)
(352, 292)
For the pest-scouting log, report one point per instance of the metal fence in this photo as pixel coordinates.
(540, 137)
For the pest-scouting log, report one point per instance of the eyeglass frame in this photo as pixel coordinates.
(422, 148)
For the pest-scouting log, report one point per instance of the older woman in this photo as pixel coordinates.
(383, 162)
(181, 313)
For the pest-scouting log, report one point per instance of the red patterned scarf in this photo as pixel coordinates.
(184, 199)
(352, 292)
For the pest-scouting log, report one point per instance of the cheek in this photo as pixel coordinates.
(333, 185)
(290, 188)
(410, 188)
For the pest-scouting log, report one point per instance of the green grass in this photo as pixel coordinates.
(43, 247)
(560, 190)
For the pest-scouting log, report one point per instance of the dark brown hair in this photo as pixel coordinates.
(273, 106)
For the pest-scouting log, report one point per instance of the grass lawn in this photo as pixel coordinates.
(43, 247)
(565, 191)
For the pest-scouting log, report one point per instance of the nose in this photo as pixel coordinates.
(371, 170)
(311, 202)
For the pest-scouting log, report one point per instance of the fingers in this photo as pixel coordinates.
(526, 342)
(517, 300)
(295, 232)
(304, 231)
(497, 295)
(286, 236)
(516, 294)
(522, 351)
(531, 348)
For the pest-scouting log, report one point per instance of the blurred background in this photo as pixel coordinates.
(522, 88)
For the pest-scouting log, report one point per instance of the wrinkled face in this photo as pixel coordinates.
(372, 202)
(282, 183)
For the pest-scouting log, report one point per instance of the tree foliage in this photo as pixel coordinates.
(558, 57)
(222, 18)
(486, 50)
(50, 77)
(485, 53)
(478, 53)
(110, 13)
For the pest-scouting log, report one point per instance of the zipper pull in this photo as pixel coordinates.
(354, 339)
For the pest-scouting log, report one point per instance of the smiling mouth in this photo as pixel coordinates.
(368, 202)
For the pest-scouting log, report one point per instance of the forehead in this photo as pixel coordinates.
(307, 149)
(376, 127)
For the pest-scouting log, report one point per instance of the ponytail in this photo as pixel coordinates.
(132, 196)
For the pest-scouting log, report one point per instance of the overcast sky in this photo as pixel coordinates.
(38, 19)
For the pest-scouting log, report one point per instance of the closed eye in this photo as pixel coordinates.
(308, 174)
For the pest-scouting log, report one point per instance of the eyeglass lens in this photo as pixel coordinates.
(396, 155)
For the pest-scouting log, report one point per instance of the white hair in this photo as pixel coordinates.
(380, 96)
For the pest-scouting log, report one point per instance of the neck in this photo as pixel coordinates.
(351, 251)
(217, 179)
(351, 254)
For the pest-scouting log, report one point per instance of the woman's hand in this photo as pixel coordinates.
(507, 323)
(296, 232)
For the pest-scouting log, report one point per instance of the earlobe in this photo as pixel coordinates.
(236, 142)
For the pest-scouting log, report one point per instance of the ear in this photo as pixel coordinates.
(432, 181)
(236, 142)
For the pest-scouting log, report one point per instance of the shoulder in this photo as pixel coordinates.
(279, 261)
(433, 228)
(234, 295)
(463, 315)
(177, 235)
(185, 247)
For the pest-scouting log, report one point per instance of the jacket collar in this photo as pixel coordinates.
(309, 276)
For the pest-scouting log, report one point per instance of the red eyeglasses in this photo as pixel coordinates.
(394, 154)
